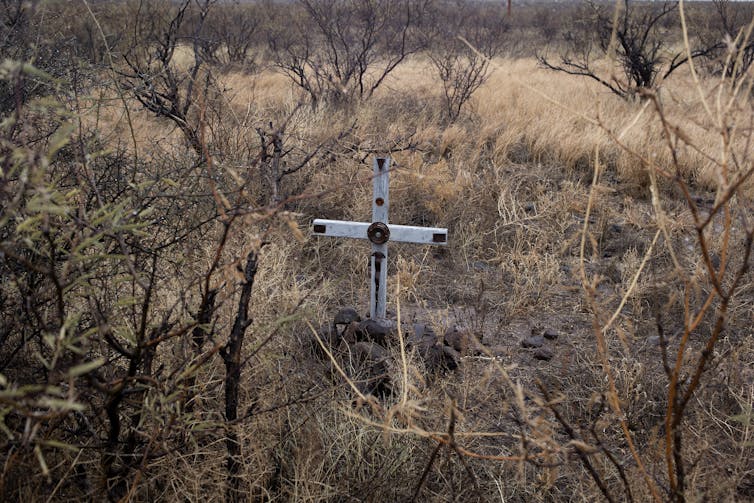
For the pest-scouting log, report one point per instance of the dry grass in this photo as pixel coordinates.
(512, 182)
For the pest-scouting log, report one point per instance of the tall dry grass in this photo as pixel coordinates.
(514, 182)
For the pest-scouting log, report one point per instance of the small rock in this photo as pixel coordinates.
(715, 260)
(351, 333)
(423, 335)
(654, 340)
(462, 341)
(371, 330)
(419, 329)
(457, 340)
(346, 316)
(551, 334)
(545, 354)
(439, 358)
(451, 358)
(481, 266)
(535, 341)
(369, 351)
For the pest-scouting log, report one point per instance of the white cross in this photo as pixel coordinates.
(379, 233)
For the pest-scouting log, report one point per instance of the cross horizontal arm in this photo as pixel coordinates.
(399, 233)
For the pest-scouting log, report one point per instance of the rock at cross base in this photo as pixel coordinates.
(331, 335)
(360, 347)
(544, 354)
(436, 355)
(346, 316)
(374, 331)
(441, 357)
(535, 341)
(369, 351)
(420, 333)
(463, 341)
(550, 333)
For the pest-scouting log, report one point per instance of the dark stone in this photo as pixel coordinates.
(456, 340)
(422, 336)
(369, 351)
(346, 316)
(550, 333)
(462, 341)
(371, 330)
(545, 354)
(535, 341)
(350, 334)
(451, 358)
(482, 266)
(439, 358)
(421, 330)
(715, 260)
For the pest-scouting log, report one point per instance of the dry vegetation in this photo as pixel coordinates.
(161, 296)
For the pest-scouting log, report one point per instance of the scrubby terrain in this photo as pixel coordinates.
(168, 320)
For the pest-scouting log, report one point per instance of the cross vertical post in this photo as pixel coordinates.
(378, 261)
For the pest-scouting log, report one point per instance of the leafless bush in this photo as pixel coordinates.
(730, 33)
(231, 33)
(96, 289)
(155, 80)
(338, 50)
(461, 42)
(638, 40)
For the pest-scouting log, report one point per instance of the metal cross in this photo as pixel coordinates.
(379, 233)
